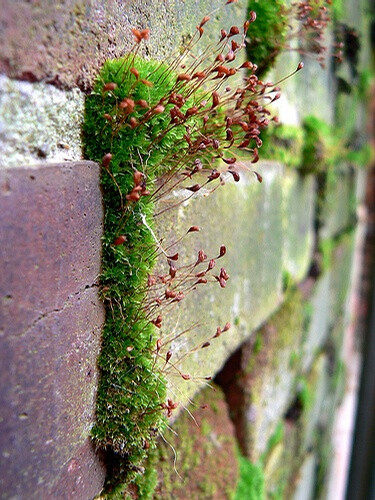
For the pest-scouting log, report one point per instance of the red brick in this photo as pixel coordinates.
(65, 43)
(51, 225)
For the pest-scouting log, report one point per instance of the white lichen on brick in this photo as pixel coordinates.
(39, 122)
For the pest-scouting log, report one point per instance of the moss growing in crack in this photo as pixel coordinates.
(268, 33)
(283, 143)
(251, 485)
(131, 390)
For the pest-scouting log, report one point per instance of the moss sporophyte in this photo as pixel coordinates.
(289, 26)
(154, 127)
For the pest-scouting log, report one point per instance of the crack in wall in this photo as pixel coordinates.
(67, 303)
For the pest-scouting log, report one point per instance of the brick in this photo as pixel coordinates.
(338, 206)
(246, 217)
(305, 481)
(50, 329)
(299, 98)
(342, 263)
(317, 388)
(318, 319)
(264, 370)
(206, 452)
(298, 219)
(66, 45)
(39, 122)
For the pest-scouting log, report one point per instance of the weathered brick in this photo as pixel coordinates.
(298, 220)
(246, 217)
(305, 480)
(338, 205)
(317, 310)
(342, 261)
(264, 370)
(206, 452)
(316, 390)
(50, 329)
(67, 44)
(39, 122)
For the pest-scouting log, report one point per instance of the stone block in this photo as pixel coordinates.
(264, 370)
(305, 481)
(246, 217)
(341, 274)
(298, 220)
(50, 330)
(282, 461)
(314, 393)
(317, 312)
(338, 205)
(299, 98)
(39, 122)
(67, 45)
(206, 458)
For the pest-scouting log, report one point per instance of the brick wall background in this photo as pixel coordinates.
(278, 372)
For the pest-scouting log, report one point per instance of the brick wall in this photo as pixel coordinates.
(278, 367)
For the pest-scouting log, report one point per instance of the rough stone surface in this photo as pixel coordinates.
(299, 213)
(206, 453)
(318, 314)
(301, 98)
(306, 479)
(282, 461)
(317, 388)
(66, 44)
(50, 330)
(253, 234)
(338, 206)
(38, 122)
(342, 263)
(264, 370)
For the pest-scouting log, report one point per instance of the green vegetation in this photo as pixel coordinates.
(251, 482)
(131, 390)
(314, 148)
(283, 143)
(326, 248)
(267, 34)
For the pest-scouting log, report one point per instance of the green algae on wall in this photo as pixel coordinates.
(270, 376)
(205, 465)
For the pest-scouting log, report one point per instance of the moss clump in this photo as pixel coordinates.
(131, 389)
(268, 33)
(251, 482)
(320, 146)
(283, 143)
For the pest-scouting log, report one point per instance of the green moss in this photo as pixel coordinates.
(305, 396)
(251, 482)
(267, 33)
(283, 143)
(258, 344)
(326, 247)
(276, 437)
(205, 428)
(338, 8)
(205, 453)
(131, 389)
